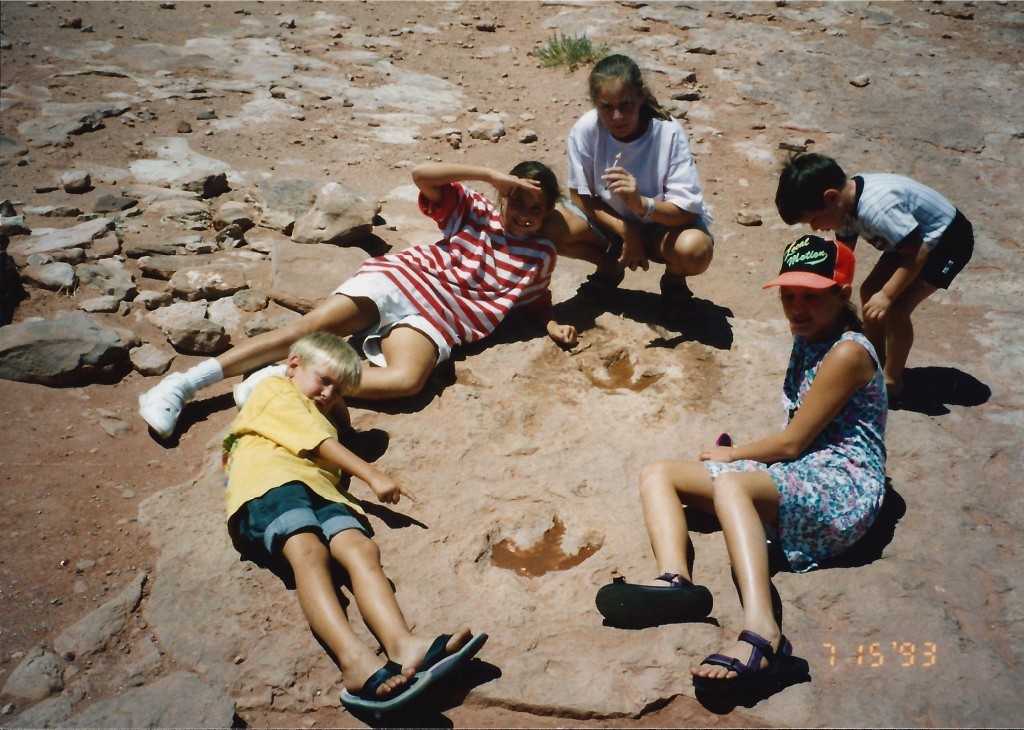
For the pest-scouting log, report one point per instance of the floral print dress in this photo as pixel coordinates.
(831, 494)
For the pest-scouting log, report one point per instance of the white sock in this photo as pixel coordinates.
(205, 373)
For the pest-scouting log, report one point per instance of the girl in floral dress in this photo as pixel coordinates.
(814, 488)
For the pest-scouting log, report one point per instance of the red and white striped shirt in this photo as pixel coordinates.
(466, 283)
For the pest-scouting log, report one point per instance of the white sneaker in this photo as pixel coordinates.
(245, 388)
(161, 405)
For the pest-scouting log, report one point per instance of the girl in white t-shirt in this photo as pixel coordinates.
(635, 196)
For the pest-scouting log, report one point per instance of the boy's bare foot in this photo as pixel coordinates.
(360, 673)
(414, 650)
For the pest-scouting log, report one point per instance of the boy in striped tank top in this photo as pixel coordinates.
(925, 242)
(415, 305)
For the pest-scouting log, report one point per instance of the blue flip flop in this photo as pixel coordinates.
(437, 662)
(366, 699)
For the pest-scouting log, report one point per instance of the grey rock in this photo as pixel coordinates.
(163, 267)
(76, 181)
(69, 348)
(105, 304)
(250, 300)
(59, 121)
(192, 213)
(212, 281)
(14, 225)
(108, 277)
(488, 127)
(747, 218)
(91, 633)
(340, 215)
(57, 276)
(272, 318)
(53, 211)
(39, 675)
(152, 299)
(181, 699)
(113, 203)
(48, 713)
(225, 313)
(198, 337)
(284, 201)
(149, 359)
(233, 212)
(59, 241)
(11, 150)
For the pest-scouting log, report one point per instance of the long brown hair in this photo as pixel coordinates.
(623, 68)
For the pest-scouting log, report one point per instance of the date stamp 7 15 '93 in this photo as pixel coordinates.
(898, 654)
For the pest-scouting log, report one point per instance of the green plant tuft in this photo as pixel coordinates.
(571, 52)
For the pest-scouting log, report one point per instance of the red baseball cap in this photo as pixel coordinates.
(815, 263)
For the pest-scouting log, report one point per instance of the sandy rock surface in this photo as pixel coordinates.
(122, 601)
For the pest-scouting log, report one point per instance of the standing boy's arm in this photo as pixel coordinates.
(388, 490)
(913, 253)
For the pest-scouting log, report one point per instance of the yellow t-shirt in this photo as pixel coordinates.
(270, 444)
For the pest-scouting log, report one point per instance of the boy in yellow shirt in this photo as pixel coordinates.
(284, 461)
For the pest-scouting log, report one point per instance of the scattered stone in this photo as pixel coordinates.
(11, 150)
(76, 182)
(488, 127)
(250, 300)
(206, 115)
(793, 146)
(184, 127)
(527, 136)
(686, 96)
(747, 218)
(303, 275)
(860, 81)
(189, 212)
(185, 326)
(182, 699)
(69, 348)
(108, 277)
(225, 313)
(75, 23)
(56, 276)
(44, 188)
(152, 299)
(105, 305)
(113, 203)
(702, 50)
(487, 26)
(233, 212)
(39, 675)
(53, 211)
(61, 240)
(272, 318)
(14, 225)
(213, 281)
(340, 215)
(48, 713)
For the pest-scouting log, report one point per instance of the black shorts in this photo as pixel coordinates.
(951, 253)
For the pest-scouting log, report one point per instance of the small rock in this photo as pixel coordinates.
(184, 127)
(747, 218)
(76, 181)
(860, 81)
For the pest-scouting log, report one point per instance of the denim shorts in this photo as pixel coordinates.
(262, 525)
(394, 309)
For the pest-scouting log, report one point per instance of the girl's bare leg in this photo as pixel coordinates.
(318, 598)
(744, 502)
(686, 252)
(360, 557)
(338, 313)
(665, 487)
(411, 357)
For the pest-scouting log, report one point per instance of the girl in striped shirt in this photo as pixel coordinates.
(414, 306)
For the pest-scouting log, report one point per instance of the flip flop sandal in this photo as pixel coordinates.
(630, 606)
(783, 669)
(437, 662)
(366, 697)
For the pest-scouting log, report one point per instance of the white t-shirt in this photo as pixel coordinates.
(660, 160)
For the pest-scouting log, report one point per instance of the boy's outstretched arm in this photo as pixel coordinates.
(387, 489)
(432, 177)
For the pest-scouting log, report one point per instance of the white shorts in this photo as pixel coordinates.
(394, 309)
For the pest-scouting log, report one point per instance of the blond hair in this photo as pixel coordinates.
(334, 353)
